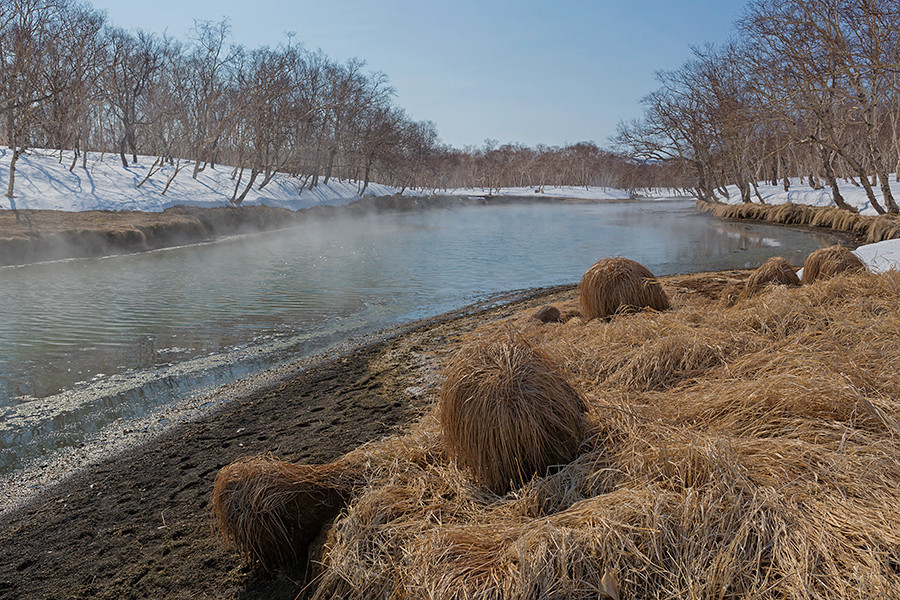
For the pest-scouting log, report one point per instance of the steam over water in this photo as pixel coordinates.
(85, 344)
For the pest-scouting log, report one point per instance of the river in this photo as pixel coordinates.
(93, 343)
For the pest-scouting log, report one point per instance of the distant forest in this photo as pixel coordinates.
(807, 88)
(71, 81)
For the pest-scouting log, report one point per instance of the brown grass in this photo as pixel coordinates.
(870, 229)
(776, 270)
(507, 413)
(547, 314)
(828, 262)
(270, 510)
(618, 284)
(747, 452)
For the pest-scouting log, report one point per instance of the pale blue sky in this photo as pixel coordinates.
(527, 71)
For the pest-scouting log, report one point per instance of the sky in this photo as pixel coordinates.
(517, 71)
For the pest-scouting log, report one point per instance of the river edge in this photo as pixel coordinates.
(136, 523)
(30, 236)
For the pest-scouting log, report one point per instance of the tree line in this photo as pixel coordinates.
(806, 88)
(70, 81)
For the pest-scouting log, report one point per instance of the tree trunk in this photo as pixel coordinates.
(268, 177)
(10, 188)
(237, 186)
(330, 166)
(756, 191)
(153, 170)
(254, 173)
(826, 156)
(122, 152)
(178, 167)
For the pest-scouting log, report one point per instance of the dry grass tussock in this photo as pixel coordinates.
(776, 270)
(870, 229)
(828, 262)
(747, 452)
(270, 510)
(617, 284)
(507, 412)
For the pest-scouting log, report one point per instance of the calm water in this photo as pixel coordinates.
(88, 343)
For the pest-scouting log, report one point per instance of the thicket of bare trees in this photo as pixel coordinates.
(72, 82)
(810, 88)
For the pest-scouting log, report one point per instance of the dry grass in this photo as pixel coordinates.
(776, 270)
(271, 510)
(614, 285)
(747, 452)
(547, 314)
(507, 413)
(870, 229)
(828, 262)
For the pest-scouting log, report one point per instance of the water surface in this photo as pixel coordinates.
(91, 342)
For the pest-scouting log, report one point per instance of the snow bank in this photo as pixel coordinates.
(880, 257)
(43, 182)
(569, 192)
(801, 193)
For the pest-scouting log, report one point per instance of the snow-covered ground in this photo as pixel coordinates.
(880, 257)
(571, 192)
(801, 193)
(42, 182)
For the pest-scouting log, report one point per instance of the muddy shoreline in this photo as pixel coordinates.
(135, 524)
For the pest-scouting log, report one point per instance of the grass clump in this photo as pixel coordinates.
(507, 413)
(618, 284)
(270, 510)
(828, 262)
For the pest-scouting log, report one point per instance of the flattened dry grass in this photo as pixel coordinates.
(745, 452)
(871, 229)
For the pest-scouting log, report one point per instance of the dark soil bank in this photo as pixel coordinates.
(138, 525)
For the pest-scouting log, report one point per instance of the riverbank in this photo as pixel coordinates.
(752, 423)
(28, 236)
(37, 235)
(865, 229)
(136, 525)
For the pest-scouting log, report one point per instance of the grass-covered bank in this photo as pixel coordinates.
(738, 451)
(867, 229)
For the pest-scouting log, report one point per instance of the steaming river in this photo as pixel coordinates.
(92, 344)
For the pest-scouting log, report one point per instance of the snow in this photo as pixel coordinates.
(801, 193)
(43, 182)
(881, 256)
(572, 192)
